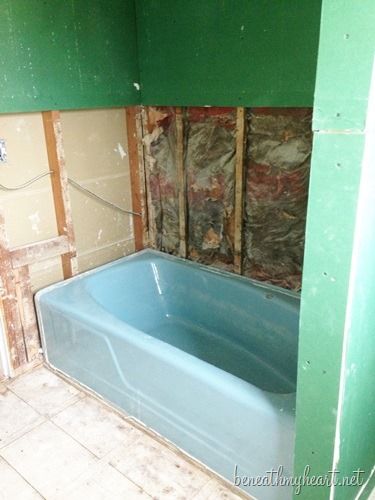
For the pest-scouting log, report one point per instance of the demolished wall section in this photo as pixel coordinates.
(160, 146)
(210, 162)
(276, 170)
(279, 143)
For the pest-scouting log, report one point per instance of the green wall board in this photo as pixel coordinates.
(330, 227)
(225, 53)
(67, 54)
(335, 396)
(80, 53)
(356, 421)
(342, 93)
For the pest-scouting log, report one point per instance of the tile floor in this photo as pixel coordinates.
(58, 443)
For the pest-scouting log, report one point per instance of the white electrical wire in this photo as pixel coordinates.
(75, 184)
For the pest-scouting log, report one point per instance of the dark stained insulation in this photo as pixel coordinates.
(279, 143)
(210, 163)
(277, 163)
(162, 174)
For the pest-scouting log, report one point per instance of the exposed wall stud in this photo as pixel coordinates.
(142, 175)
(239, 189)
(147, 134)
(135, 150)
(12, 319)
(181, 182)
(59, 181)
(27, 313)
(41, 250)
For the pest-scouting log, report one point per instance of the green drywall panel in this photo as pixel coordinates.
(356, 421)
(357, 425)
(342, 90)
(335, 396)
(226, 53)
(67, 54)
(333, 195)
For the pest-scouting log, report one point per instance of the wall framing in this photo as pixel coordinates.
(17, 304)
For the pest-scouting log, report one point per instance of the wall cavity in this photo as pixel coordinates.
(276, 171)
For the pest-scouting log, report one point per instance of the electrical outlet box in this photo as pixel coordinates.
(3, 151)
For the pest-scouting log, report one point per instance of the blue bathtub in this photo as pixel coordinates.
(203, 357)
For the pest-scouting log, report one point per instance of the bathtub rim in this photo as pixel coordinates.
(151, 252)
(173, 258)
(136, 256)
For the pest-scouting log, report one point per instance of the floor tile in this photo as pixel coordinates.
(13, 486)
(44, 391)
(158, 470)
(95, 426)
(48, 458)
(16, 418)
(85, 450)
(213, 490)
(102, 482)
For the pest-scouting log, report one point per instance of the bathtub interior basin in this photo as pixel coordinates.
(245, 329)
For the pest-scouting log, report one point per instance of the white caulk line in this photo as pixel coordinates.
(365, 484)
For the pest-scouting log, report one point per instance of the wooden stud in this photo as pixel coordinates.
(147, 135)
(12, 320)
(3, 326)
(135, 150)
(239, 189)
(59, 181)
(142, 176)
(42, 250)
(181, 183)
(25, 301)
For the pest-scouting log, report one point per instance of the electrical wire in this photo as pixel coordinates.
(26, 184)
(78, 186)
(75, 184)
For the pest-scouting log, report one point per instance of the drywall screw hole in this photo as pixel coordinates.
(313, 453)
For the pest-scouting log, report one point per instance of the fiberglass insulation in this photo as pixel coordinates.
(277, 162)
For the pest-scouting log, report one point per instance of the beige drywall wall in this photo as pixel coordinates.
(96, 156)
(29, 212)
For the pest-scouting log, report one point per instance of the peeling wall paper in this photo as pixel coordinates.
(279, 143)
(277, 163)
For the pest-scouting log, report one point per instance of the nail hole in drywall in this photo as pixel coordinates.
(324, 372)
(338, 165)
(308, 362)
(325, 274)
(338, 115)
(346, 36)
